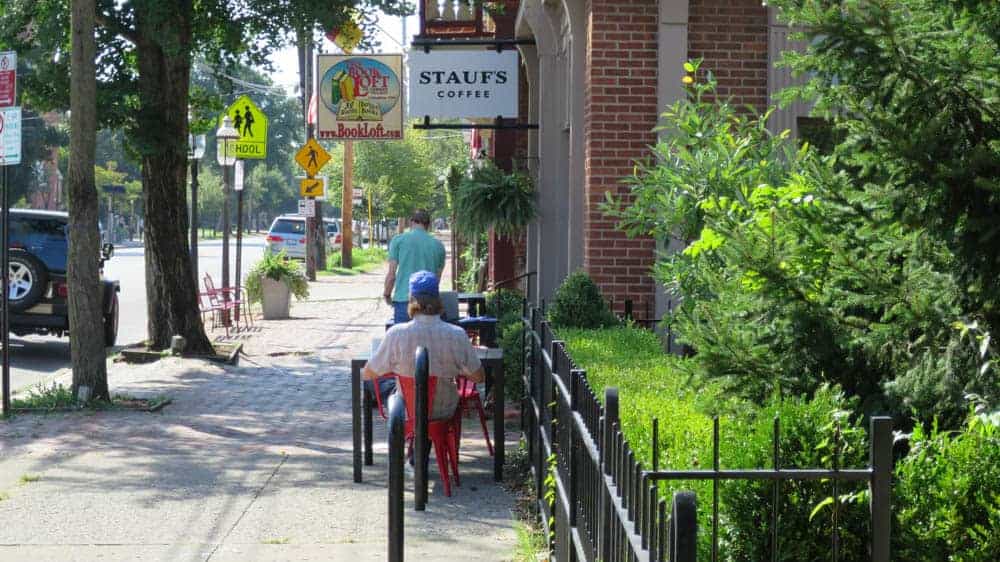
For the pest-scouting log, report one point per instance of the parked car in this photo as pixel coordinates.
(38, 290)
(288, 233)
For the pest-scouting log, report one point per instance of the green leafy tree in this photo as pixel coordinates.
(145, 49)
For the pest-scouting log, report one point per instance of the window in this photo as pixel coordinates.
(289, 226)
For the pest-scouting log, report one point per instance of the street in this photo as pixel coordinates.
(35, 359)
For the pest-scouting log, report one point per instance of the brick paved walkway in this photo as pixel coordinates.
(248, 463)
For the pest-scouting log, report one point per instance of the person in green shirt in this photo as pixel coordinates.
(410, 252)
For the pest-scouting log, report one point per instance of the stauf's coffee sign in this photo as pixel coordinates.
(463, 84)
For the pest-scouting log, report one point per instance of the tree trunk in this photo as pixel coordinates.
(164, 76)
(85, 296)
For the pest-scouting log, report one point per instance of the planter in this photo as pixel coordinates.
(276, 299)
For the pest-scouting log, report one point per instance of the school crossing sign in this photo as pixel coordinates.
(251, 123)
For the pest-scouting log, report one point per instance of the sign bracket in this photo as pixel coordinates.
(428, 44)
(497, 125)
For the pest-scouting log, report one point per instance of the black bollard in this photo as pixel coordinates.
(421, 449)
(397, 456)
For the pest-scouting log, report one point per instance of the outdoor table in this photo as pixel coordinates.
(362, 404)
(476, 303)
(485, 326)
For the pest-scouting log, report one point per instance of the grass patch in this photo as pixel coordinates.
(363, 260)
(58, 398)
(530, 542)
(29, 478)
(47, 398)
(4, 496)
(276, 540)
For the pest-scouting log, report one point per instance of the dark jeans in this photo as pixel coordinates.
(386, 387)
(399, 312)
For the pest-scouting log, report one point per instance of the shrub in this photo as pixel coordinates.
(280, 268)
(506, 306)
(947, 494)
(579, 304)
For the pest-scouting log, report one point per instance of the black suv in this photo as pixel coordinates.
(37, 294)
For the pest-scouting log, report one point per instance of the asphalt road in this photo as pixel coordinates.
(35, 359)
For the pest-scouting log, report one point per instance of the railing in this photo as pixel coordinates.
(454, 18)
(604, 505)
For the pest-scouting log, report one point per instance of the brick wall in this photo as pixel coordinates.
(620, 111)
(731, 37)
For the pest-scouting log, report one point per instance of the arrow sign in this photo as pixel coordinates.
(8, 78)
(313, 187)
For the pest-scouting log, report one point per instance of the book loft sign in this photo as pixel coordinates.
(463, 84)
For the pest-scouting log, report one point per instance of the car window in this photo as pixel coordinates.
(332, 228)
(288, 226)
(36, 228)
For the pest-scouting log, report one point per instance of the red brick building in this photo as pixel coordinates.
(597, 74)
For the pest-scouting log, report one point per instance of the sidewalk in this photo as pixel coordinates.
(248, 463)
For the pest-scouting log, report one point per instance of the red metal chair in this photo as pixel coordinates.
(468, 396)
(442, 433)
(226, 298)
(207, 305)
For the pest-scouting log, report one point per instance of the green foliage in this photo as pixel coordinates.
(472, 276)
(279, 268)
(651, 383)
(946, 494)
(45, 398)
(796, 273)
(493, 199)
(507, 306)
(363, 260)
(578, 303)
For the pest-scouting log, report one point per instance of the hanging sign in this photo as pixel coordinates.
(10, 136)
(361, 97)
(251, 123)
(464, 84)
(8, 78)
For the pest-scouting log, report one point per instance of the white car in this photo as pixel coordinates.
(288, 233)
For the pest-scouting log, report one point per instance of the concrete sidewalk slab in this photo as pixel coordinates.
(248, 463)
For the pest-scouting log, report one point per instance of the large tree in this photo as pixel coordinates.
(145, 49)
(85, 295)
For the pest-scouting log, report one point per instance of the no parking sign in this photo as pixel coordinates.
(10, 136)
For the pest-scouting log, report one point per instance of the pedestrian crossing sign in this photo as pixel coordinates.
(251, 123)
(312, 157)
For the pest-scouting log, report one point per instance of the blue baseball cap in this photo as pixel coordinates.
(423, 283)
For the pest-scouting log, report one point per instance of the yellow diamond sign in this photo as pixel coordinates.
(312, 187)
(251, 123)
(312, 157)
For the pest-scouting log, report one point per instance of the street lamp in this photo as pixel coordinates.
(196, 151)
(226, 158)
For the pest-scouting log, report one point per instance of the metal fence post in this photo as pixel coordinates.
(684, 528)
(397, 446)
(421, 452)
(881, 487)
(608, 423)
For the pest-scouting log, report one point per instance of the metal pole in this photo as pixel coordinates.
(194, 220)
(421, 452)
(397, 421)
(347, 207)
(881, 491)
(239, 247)
(225, 229)
(6, 281)
(111, 217)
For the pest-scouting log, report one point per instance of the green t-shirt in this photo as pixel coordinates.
(415, 250)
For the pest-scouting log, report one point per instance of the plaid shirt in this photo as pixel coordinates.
(448, 347)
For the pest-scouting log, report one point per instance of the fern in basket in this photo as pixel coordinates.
(280, 268)
(490, 198)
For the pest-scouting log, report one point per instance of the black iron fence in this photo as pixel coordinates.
(597, 502)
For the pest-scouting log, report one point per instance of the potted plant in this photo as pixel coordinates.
(272, 281)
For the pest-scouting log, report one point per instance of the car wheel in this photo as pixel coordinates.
(111, 323)
(28, 280)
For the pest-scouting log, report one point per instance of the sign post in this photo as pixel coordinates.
(311, 158)
(10, 155)
(238, 186)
